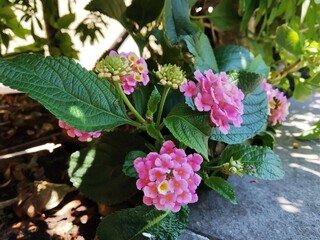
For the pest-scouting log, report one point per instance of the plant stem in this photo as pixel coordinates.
(292, 68)
(163, 100)
(128, 103)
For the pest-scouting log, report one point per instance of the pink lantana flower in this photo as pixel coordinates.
(168, 179)
(189, 89)
(215, 93)
(81, 135)
(139, 72)
(278, 104)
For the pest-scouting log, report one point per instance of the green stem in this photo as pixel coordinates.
(163, 100)
(128, 103)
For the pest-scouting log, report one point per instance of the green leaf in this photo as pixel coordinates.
(128, 167)
(9, 19)
(190, 127)
(144, 11)
(97, 171)
(301, 91)
(177, 23)
(179, 30)
(69, 91)
(254, 119)
(248, 7)
(222, 187)
(66, 20)
(314, 81)
(141, 97)
(246, 81)
(201, 49)
(267, 165)
(225, 15)
(153, 102)
(154, 132)
(139, 222)
(312, 133)
(289, 40)
(112, 8)
(265, 138)
(5, 39)
(7, 13)
(258, 65)
(232, 57)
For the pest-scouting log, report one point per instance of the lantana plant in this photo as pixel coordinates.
(191, 114)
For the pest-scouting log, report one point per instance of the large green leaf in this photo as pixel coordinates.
(69, 91)
(179, 30)
(222, 187)
(142, 222)
(144, 11)
(190, 127)
(97, 171)
(112, 8)
(289, 40)
(232, 57)
(246, 81)
(266, 164)
(177, 22)
(200, 48)
(254, 119)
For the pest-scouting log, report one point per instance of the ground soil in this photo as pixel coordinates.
(37, 200)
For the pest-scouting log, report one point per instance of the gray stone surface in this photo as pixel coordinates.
(276, 210)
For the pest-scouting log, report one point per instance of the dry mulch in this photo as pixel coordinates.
(37, 200)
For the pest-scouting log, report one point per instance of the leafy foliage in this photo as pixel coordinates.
(266, 164)
(141, 222)
(92, 105)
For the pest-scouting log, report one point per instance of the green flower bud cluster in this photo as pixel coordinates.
(171, 75)
(233, 167)
(113, 67)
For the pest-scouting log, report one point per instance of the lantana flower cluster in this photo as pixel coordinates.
(139, 73)
(168, 179)
(128, 68)
(81, 135)
(278, 104)
(215, 93)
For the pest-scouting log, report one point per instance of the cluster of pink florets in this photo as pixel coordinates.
(217, 94)
(81, 135)
(278, 104)
(168, 179)
(140, 72)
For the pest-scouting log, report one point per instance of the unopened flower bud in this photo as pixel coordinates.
(113, 67)
(172, 76)
(232, 167)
